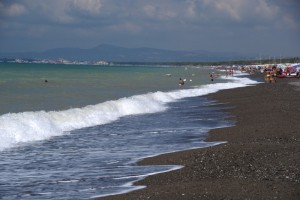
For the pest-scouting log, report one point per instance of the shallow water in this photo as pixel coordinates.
(23, 87)
(95, 161)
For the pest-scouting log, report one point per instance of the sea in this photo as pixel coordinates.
(77, 131)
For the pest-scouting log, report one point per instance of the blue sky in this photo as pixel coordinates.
(262, 27)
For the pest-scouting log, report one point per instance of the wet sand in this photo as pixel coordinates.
(261, 159)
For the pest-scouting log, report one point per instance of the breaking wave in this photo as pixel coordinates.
(19, 128)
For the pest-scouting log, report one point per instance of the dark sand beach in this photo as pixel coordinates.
(261, 159)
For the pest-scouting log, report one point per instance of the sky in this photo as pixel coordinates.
(259, 27)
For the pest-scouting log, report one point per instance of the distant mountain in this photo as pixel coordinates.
(121, 54)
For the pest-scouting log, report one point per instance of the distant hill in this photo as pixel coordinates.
(121, 54)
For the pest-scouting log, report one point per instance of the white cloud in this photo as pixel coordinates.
(266, 10)
(231, 8)
(89, 6)
(243, 10)
(53, 11)
(191, 9)
(63, 12)
(140, 20)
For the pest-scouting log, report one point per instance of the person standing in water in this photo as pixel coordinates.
(211, 77)
(181, 82)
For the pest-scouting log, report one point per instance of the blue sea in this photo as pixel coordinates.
(79, 134)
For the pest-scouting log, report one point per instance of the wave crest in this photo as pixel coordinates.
(17, 128)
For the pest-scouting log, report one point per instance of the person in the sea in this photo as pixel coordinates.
(181, 82)
(211, 77)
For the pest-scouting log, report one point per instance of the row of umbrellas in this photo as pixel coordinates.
(293, 68)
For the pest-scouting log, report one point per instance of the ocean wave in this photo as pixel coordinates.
(20, 128)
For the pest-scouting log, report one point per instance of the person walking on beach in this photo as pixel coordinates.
(268, 77)
(273, 74)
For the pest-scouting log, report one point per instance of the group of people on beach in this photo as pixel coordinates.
(275, 72)
(272, 71)
(271, 75)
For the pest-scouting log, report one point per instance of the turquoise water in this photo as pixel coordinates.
(23, 86)
(80, 134)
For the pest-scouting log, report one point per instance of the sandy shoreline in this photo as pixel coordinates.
(261, 159)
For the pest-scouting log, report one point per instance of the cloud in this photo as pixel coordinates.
(56, 11)
(158, 12)
(12, 10)
(191, 9)
(242, 10)
(167, 24)
(231, 8)
(47, 12)
(289, 22)
(266, 10)
(143, 12)
(92, 7)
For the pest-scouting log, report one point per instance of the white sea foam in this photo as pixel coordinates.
(129, 185)
(18, 128)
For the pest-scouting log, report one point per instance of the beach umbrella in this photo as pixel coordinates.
(292, 69)
(295, 65)
(289, 68)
